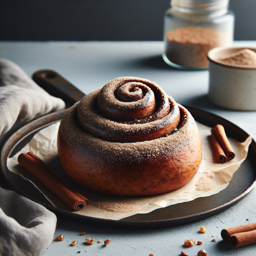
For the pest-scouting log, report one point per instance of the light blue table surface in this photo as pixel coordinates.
(90, 65)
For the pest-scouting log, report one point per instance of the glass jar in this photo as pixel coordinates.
(192, 28)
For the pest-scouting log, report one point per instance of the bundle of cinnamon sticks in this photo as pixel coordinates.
(222, 148)
(58, 185)
(240, 235)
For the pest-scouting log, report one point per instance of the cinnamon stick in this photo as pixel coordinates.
(242, 239)
(41, 172)
(219, 153)
(58, 176)
(240, 235)
(221, 134)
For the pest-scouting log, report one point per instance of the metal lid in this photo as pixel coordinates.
(200, 5)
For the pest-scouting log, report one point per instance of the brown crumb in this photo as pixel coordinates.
(106, 242)
(99, 241)
(59, 238)
(202, 229)
(213, 240)
(189, 243)
(202, 253)
(213, 235)
(89, 241)
(199, 242)
(184, 254)
(73, 243)
(82, 233)
(151, 254)
(166, 135)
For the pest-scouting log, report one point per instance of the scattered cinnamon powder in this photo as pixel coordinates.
(243, 58)
(204, 184)
(189, 46)
(116, 207)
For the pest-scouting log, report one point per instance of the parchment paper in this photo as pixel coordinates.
(211, 178)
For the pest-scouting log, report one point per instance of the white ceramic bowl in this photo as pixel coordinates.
(231, 87)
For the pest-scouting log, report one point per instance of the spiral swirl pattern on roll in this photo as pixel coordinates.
(129, 110)
(129, 139)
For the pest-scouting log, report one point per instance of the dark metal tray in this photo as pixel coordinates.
(241, 184)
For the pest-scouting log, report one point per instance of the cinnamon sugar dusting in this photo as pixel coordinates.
(114, 152)
(91, 118)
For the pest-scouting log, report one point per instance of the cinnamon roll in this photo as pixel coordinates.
(129, 139)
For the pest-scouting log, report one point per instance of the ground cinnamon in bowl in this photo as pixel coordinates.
(189, 46)
(243, 58)
(232, 77)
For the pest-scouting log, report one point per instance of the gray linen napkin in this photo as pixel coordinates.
(26, 228)
(21, 99)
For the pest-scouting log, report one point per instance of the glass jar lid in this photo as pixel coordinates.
(200, 5)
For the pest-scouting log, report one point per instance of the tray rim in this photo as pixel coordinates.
(48, 119)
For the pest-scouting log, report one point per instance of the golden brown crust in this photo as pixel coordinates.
(147, 167)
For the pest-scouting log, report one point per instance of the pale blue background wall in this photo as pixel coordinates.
(101, 19)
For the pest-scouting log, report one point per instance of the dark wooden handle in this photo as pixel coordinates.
(57, 86)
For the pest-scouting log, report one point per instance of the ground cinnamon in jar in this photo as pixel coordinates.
(189, 46)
